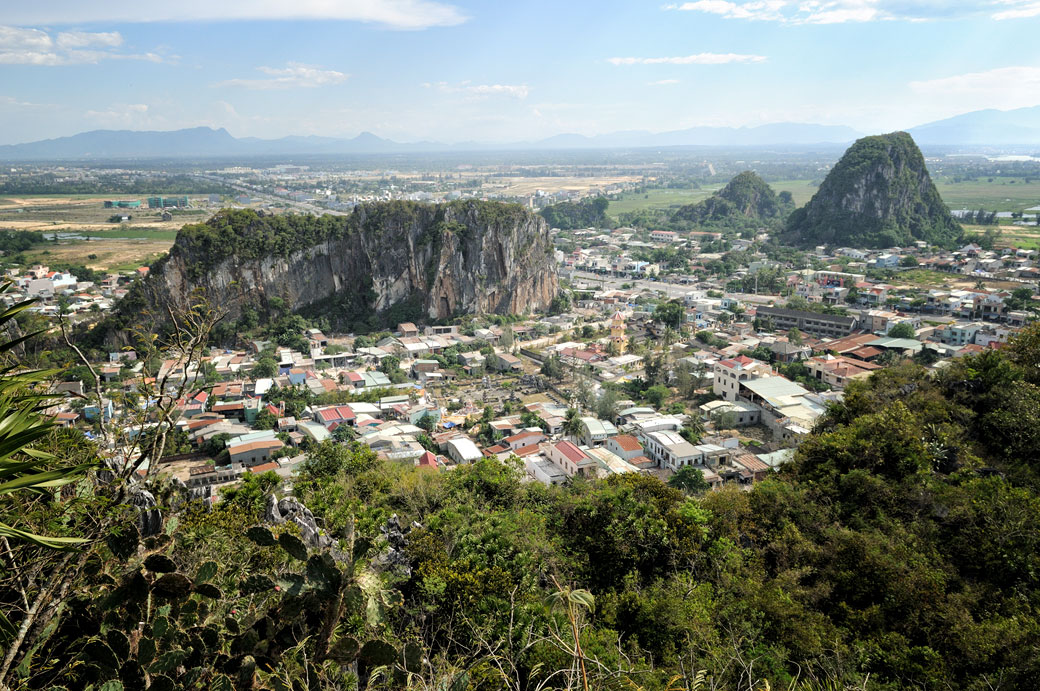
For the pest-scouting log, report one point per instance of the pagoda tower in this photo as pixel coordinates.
(617, 331)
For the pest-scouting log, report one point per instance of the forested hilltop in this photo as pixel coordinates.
(901, 549)
(878, 195)
(747, 201)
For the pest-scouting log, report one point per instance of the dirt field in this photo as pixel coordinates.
(71, 213)
(109, 254)
(522, 186)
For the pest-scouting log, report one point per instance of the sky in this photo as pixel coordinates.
(506, 70)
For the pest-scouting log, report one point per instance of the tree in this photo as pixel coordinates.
(344, 433)
(606, 404)
(902, 330)
(265, 368)
(265, 420)
(689, 479)
(24, 470)
(552, 367)
(670, 313)
(657, 394)
(529, 419)
(426, 423)
(693, 430)
(572, 426)
(794, 336)
(908, 261)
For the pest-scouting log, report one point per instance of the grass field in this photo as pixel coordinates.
(1003, 194)
(1024, 237)
(132, 233)
(801, 191)
(659, 199)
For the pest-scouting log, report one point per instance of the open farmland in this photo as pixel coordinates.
(84, 212)
(663, 198)
(1002, 194)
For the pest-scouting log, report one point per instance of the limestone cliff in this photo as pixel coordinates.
(878, 195)
(422, 261)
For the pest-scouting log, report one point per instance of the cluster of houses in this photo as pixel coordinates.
(739, 348)
(61, 290)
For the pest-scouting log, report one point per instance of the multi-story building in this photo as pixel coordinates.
(815, 323)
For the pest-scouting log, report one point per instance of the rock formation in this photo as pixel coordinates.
(878, 195)
(746, 201)
(425, 260)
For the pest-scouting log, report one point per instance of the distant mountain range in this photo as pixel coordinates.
(205, 141)
(984, 127)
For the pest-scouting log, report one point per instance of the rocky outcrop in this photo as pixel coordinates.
(746, 201)
(430, 261)
(878, 195)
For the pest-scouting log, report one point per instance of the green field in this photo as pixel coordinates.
(801, 190)
(658, 199)
(1003, 194)
(1023, 237)
(130, 233)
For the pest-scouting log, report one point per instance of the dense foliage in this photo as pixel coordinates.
(588, 213)
(900, 549)
(747, 201)
(52, 183)
(878, 195)
(12, 241)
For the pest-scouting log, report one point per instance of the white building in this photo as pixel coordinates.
(463, 450)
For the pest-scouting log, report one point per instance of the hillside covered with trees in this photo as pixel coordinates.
(878, 195)
(898, 550)
(588, 213)
(746, 201)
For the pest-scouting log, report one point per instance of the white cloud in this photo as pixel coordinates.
(519, 91)
(14, 102)
(84, 39)
(396, 14)
(1019, 11)
(293, 76)
(20, 46)
(761, 9)
(1004, 87)
(850, 11)
(698, 59)
(663, 82)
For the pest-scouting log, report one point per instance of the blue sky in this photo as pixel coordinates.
(500, 70)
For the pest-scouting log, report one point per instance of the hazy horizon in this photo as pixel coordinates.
(413, 70)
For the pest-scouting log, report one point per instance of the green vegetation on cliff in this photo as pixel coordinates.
(588, 213)
(878, 195)
(359, 272)
(243, 234)
(746, 202)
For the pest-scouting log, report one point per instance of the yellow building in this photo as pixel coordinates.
(617, 332)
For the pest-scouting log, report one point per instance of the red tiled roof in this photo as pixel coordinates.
(626, 442)
(572, 452)
(428, 460)
(264, 467)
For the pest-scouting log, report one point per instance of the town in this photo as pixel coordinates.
(664, 351)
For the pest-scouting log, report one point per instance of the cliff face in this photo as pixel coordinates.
(878, 195)
(439, 261)
(747, 200)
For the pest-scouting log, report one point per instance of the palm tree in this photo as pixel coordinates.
(22, 423)
(572, 424)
